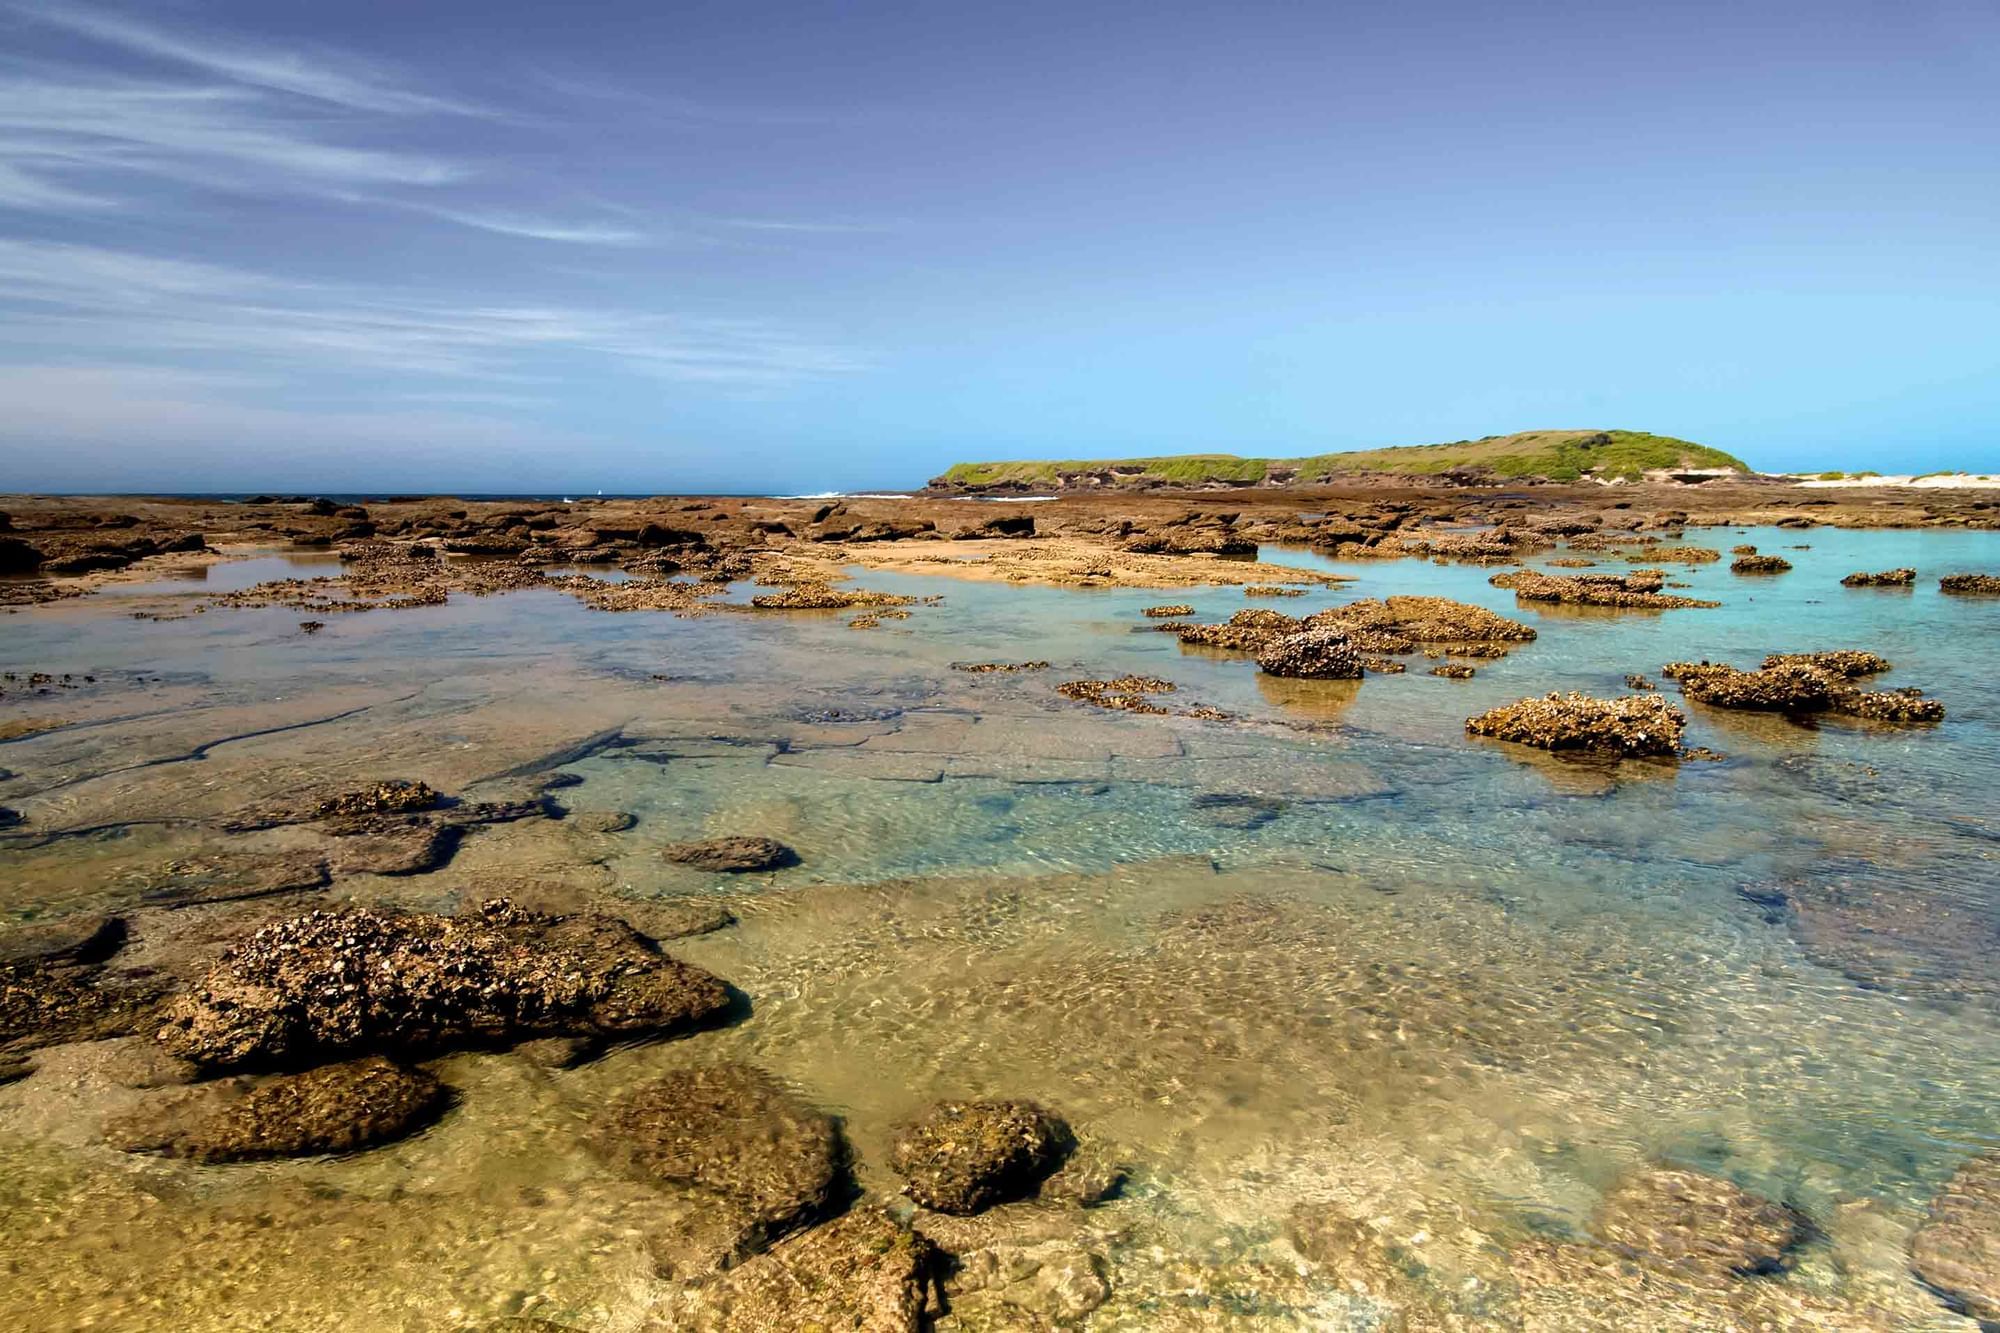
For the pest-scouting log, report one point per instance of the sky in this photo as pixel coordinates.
(755, 247)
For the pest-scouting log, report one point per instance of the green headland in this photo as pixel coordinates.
(1551, 455)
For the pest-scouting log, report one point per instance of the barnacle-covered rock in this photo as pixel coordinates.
(964, 1157)
(1759, 564)
(1123, 693)
(1423, 620)
(1888, 578)
(1637, 594)
(384, 798)
(1787, 688)
(328, 985)
(1905, 706)
(1631, 726)
(1849, 662)
(1314, 654)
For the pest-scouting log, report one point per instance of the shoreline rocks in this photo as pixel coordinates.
(1970, 585)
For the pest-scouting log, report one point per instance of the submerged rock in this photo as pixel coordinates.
(336, 1108)
(964, 1157)
(83, 939)
(1699, 1223)
(1053, 1284)
(1631, 726)
(43, 1005)
(1314, 654)
(225, 877)
(600, 821)
(1454, 671)
(1957, 1249)
(862, 1273)
(1888, 578)
(332, 984)
(731, 856)
(773, 1163)
(1237, 810)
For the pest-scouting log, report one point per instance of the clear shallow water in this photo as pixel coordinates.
(1458, 987)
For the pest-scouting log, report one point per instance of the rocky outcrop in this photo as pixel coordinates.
(1171, 611)
(336, 1108)
(1957, 1249)
(964, 1157)
(1630, 593)
(1970, 585)
(1126, 694)
(1424, 620)
(1800, 684)
(1848, 662)
(1759, 564)
(771, 1163)
(1888, 578)
(1314, 654)
(736, 855)
(79, 940)
(331, 985)
(1628, 727)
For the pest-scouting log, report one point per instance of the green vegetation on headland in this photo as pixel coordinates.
(1553, 455)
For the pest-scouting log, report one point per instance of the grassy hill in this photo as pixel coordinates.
(1555, 455)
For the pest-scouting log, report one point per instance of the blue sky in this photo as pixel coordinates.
(747, 246)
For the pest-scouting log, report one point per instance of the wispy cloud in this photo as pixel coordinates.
(322, 76)
(540, 229)
(829, 226)
(65, 143)
(99, 303)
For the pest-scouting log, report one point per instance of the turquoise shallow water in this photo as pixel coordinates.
(1333, 948)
